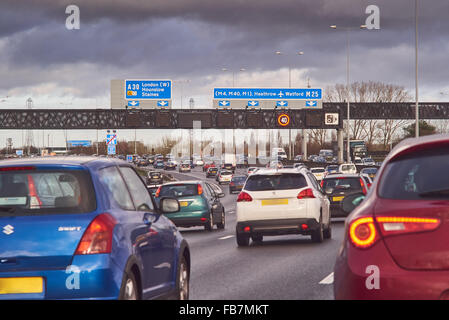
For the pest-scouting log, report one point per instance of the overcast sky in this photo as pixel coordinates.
(193, 40)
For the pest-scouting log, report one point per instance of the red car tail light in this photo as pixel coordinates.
(244, 197)
(98, 236)
(363, 186)
(158, 191)
(400, 225)
(35, 201)
(200, 189)
(306, 194)
(362, 232)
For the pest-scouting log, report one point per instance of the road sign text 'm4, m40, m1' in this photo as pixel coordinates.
(268, 93)
(147, 89)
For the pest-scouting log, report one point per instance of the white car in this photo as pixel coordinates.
(199, 162)
(281, 202)
(319, 173)
(368, 162)
(348, 168)
(224, 176)
(251, 170)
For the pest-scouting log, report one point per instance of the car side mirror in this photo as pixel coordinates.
(350, 202)
(169, 205)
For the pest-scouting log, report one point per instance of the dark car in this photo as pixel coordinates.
(159, 164)
(93, 217)
(211, 172)
(371, 171)
(199, 202)
(236, 184)
(170, 165)
(154, 177)
(338, 186)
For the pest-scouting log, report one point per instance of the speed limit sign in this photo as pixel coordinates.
(283, 120)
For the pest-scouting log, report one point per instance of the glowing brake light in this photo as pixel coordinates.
(363, 186)
(35, 201)
(306, 194)
(362, 232)
(98, 236)
(244, 197)
(397, 225)
(158, 191)
(200, 189)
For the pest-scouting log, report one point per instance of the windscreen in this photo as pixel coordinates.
(46, 191)
(342, 184)
(282, 181)
(241, 179)
(226, 173)
(179, 190)
(317, 170)
(417, 177)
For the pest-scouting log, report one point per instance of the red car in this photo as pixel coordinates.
(396, 243)
(208, 165)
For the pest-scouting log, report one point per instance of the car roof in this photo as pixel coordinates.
(268, 171)
(342, 175)
(63, 160)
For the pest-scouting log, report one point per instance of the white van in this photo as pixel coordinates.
(347, 168)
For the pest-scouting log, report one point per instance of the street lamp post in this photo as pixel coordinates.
(347, 29)
(290, 146)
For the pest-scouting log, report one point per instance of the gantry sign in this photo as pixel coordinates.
(330, 117)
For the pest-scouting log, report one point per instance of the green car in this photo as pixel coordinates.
(199, 202)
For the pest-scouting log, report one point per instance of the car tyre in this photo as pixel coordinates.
(318, 234)
(182, 280)
(257, 238)
(129, 289)
(242, 239)
(222, 223)
(210, 223)
(328, 231)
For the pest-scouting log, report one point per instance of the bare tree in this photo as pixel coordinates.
(372, 131)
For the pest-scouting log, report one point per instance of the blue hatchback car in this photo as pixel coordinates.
(86, 228)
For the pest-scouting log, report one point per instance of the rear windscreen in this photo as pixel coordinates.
(176, 191)
(275, 182)
(341, 184)
(239, 179)
(317, 170)
(155, 175)
(46, 191)
(417, 177)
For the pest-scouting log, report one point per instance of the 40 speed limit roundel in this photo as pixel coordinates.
(283, 120)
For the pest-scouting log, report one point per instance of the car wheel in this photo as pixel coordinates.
(182, 281)
(222, 223)
(257, 238)
(129, 288)
(318, 234)
(210, 224)
(242, 239)
(328, 230)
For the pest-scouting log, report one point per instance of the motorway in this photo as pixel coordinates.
(282, 267)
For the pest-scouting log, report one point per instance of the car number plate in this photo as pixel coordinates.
(337, 199)
(270, 202)
(183, 203)
(21, 285)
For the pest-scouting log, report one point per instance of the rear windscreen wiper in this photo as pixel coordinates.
(442, 192)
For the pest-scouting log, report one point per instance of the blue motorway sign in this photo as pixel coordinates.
(311, 103)
(129, 158)
(282, 103)
(111, 149)
(19, 153)
(253, 103)
(224, 103)
(162, 103)
(147, 89)
(111, 139)
(79, 143)
(133, 103)
(268, 93)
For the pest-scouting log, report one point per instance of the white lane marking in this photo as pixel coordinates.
(328, 280)
(226, 237)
